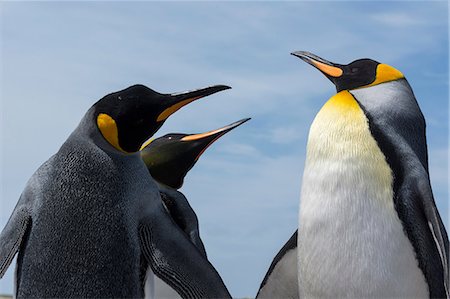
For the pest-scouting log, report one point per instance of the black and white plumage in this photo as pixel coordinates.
(169, 158)
(368, 224)
(184, 217)
(91, 213)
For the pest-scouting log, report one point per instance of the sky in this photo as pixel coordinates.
(58, 58)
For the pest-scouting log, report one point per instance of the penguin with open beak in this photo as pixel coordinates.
(91, 213)
(368, 223)
(168, 159)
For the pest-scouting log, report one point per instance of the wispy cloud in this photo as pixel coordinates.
(58, 58)
(286, 135)
(241, 149)
(398, 19)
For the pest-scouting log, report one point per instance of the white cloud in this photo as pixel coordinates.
(241, 149)
(397, 19)
(59, 58)
(286, 135)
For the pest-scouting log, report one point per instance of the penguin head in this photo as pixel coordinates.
(129, 117)
(359, 73)
(170, 157)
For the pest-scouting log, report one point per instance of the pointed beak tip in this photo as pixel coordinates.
(220, 87)
(178, 100)
(325, 66)
(214, 89)
(303, 55)
(300, 53)
(245, 120)
(239, 122)
(216, 134)
(232, 126)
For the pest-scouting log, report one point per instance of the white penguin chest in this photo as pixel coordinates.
(351, 241)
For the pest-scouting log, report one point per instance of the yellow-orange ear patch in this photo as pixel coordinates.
(108, 128)
(386, 73)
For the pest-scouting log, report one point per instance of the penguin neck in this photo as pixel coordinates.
(342, 155)
(390, 107)
(163, 186)
(173, 192)
(340, 136)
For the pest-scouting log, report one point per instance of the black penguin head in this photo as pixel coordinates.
(129, 117)
(359, 73)
(170, 157)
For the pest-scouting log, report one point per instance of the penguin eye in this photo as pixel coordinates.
(354, 69)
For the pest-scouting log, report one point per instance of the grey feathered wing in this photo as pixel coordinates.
(12, 236)
(183, 215)
(176, 260)
(428, 233)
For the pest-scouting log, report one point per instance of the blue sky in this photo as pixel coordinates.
(57, 59)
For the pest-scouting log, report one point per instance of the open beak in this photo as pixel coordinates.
(178, 100)
(330, 69)
(204, 140)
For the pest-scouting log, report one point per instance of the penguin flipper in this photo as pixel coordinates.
(175, 260)
(12, 236)
(288, 288)
(422, 224)
(184, 216)
(438, 235)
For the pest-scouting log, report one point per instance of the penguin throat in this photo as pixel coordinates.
(340, 132)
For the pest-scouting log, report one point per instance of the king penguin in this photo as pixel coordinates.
(368, 223)
(168, 159)
(91, 213)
